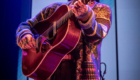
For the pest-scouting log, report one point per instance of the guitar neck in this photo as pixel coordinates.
(65, 18)
(58, 23)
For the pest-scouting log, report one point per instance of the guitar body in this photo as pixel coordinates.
(42, 65)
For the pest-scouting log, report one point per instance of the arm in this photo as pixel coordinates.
(24, 33)
(98, 24)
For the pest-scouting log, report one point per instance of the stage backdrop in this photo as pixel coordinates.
(108, 49)
(128, 14)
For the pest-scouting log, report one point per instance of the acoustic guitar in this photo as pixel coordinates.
(42, 64)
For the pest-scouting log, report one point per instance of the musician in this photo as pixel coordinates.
(83, 63)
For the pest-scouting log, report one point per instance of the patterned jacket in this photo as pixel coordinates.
(87, 52)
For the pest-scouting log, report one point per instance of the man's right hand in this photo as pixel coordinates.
(27, 42)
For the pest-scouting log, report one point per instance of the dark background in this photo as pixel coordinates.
(11, 16)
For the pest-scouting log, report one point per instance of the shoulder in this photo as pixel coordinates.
(102, 10)
(101, 6)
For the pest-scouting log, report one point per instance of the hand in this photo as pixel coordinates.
(27, 42)
(80, 10)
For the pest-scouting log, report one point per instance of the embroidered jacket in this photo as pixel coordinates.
(87, 52)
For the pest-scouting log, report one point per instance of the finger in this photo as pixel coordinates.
(77, 12)
(27, 46)
(32, 43)
(79, 3)
(76, 6)
(28, 38)
(74, 11)
(23, 46)
(20, 43)
(24, 43)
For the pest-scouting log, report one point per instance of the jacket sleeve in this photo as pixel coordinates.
(98, 25)
(25, 27)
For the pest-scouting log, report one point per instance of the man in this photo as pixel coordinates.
(83, 63)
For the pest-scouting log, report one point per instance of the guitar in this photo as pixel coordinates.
(42, 64)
